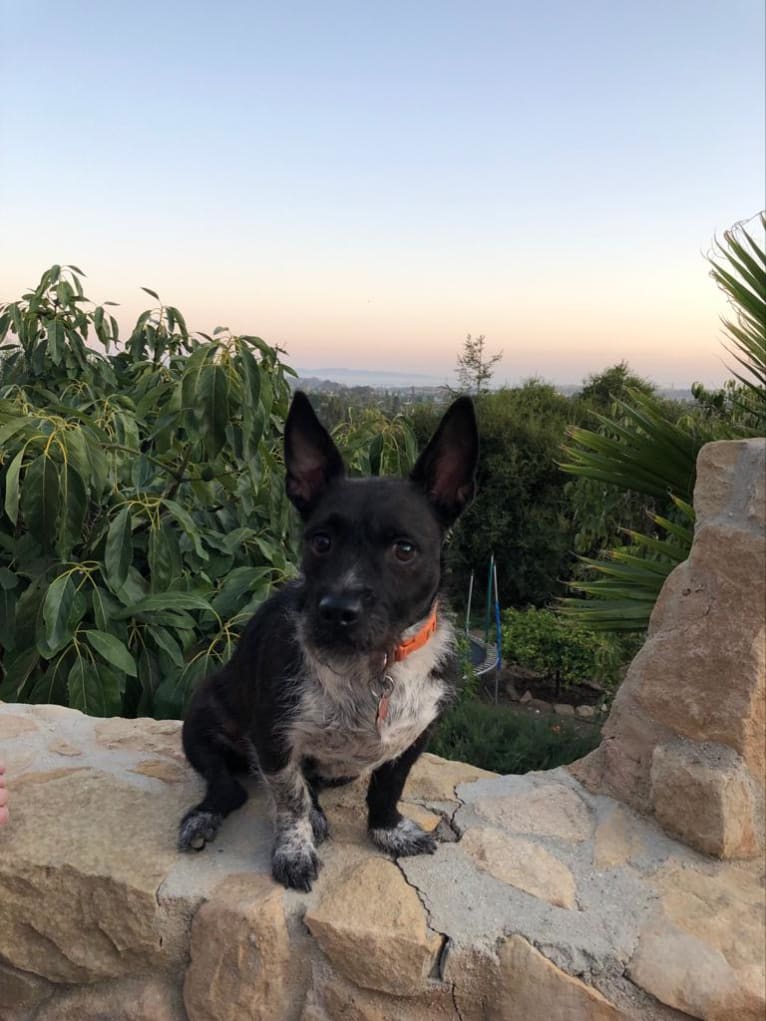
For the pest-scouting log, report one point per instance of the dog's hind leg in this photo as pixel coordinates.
(389, 829)
(213, 760)
(201, 823)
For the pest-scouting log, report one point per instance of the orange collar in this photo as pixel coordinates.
(410, 645)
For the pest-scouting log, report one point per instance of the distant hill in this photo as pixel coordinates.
(371, 377)
(413, 384)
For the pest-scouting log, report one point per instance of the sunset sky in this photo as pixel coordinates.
(366, 183)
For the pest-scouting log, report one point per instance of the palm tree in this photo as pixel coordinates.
(640, 449)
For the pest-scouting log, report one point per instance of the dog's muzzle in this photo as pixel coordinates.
(349, 622)
(340, 611)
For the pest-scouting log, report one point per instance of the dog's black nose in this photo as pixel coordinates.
(342, 610)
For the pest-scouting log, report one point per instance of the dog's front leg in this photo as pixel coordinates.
(389, 829)
(294, 861)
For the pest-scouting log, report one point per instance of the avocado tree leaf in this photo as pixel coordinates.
(94, 692)
(56, 615)
(113, 651)
(119, 549)
(7, 618)
(213, 397)
(12, 487)
(8, 429)
(237, 589)
(165, 641)
(185, 520)
(19, 665)
(41, 499)
(166, 601)
(101, 602)
(74, 503)
(164, 557)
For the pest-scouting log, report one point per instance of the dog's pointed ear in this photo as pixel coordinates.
(312, 460)
(447, 467)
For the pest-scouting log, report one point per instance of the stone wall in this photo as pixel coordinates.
(685, 738)
(561, 896)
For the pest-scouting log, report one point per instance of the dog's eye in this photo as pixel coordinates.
(404, 550)
(320, 543)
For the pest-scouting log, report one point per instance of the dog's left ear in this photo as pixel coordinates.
(311, 458)
(447, 467)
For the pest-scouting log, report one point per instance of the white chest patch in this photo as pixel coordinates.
(336, 721)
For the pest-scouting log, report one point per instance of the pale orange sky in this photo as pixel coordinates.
(663, 320)
(365, 186)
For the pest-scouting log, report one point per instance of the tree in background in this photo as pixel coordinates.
(474, 368)
(601, 389)
(520, 511)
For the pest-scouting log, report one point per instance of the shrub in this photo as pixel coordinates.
(144, 517)
(376, 443)
(567, 652)
(500, 739)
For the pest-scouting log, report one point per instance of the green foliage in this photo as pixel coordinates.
(335, 404)
(640, 450)
(629, 578)
(144, 514)
(520, 512)
(568, 652)
(500, 739)
(601, 389)
(374, 443)
(603, 512)
(739, 269)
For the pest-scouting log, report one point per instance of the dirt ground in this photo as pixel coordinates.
(515, 684)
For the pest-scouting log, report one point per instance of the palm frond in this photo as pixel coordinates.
(631, 577)
(642, 451)
(739, 269)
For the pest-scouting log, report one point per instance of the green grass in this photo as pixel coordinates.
(497, 738)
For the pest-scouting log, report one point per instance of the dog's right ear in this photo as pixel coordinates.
(312, 460)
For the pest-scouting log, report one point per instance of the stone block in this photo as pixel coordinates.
(522, 864)
(372, 927)
(140, 999)
(703, 795)
(240, 954)
(549, 810)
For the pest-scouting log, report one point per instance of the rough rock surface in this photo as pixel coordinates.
(550, 897)
(240, 953)
(696, 688)
(521, 863)
(555, 901)
(372, 928)
(706, 791)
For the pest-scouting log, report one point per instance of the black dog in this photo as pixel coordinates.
(347, 669)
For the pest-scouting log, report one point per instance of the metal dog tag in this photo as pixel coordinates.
(383, 697)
